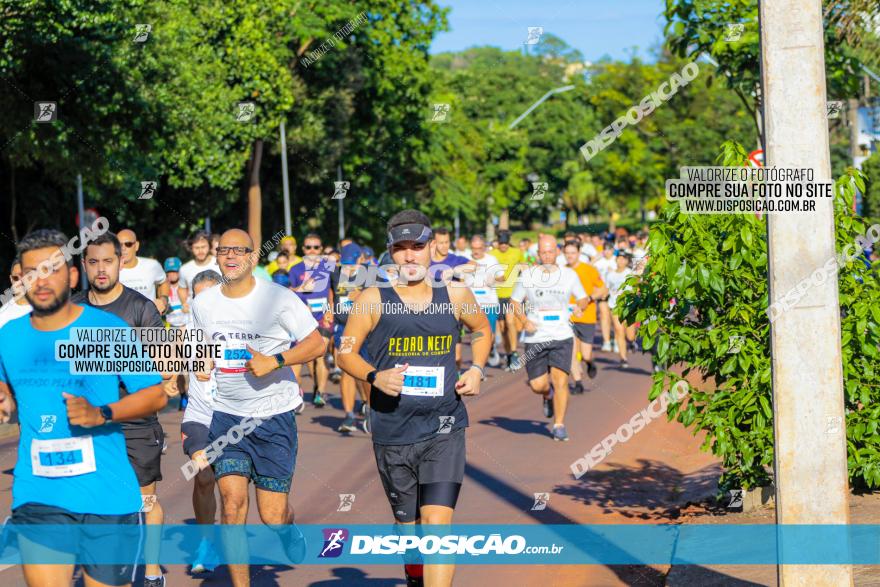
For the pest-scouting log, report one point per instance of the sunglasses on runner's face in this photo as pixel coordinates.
(311, 247)
(236, 250)
(128, 244)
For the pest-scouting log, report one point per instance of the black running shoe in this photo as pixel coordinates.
(578, 388)
(548, 404)
(591, 369)
(513, 361)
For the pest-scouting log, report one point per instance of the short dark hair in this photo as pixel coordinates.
(441, 230)
(42, 238)
(197, 236)
(313, 235)
(206, 275)
(408, 217)
(571, 243)
(106, 238)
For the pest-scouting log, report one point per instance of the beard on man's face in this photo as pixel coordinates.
(49, 307)
(109, 283)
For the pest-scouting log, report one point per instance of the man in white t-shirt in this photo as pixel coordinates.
(549, 341)
(199, 245)
(256, 323)
(141, 274)
(15, 308)
(483, 286)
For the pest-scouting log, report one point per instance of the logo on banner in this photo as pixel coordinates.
(334, 540)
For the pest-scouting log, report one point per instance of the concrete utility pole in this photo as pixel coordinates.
(340, 206)
(808, 406)
(285, 185)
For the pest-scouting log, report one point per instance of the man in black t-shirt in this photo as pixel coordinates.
(144, 437)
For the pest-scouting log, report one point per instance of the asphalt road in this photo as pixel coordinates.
(511, 456)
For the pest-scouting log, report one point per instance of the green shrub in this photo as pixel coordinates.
(715, 268)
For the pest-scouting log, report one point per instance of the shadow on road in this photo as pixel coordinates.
(688, 575)
(517, 426)
(628, 574)
(348, 576)
(652, 486)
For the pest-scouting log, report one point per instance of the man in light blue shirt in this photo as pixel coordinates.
(72, 469)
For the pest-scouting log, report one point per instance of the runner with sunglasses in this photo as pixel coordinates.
(310, 280)
(256, 323)
(142, 274)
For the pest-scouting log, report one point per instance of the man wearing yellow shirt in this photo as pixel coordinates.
(583, 323)
(510, 258)
(288, 245)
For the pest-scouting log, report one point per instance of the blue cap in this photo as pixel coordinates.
(368, 252)
(172, 264)
(281, 278)
(350, 254)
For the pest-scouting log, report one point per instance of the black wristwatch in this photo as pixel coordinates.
(106, 413)
(371, 376)
(279, 358)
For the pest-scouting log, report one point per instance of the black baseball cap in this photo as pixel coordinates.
(503, 237)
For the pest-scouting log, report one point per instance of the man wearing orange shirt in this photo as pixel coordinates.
(583, 323)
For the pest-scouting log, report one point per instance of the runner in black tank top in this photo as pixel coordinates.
(417, 415)
(419, 339)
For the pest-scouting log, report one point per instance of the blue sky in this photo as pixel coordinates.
(595, 27)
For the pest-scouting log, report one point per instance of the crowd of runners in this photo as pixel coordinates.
(390, 330)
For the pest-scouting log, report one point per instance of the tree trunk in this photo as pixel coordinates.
(612, 223)
(12, 198)
(504, 220)
(255, 198)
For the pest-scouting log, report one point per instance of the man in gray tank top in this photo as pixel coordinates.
(417, 414)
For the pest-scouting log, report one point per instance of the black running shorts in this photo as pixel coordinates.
(144, 447)
(429, 472)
